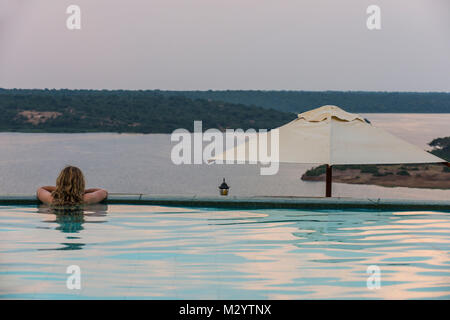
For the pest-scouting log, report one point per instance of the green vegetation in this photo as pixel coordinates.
(379, 174)
(351, 101)
(317, 171)
(155, 111)
(434, 176)
(441, 148)
(124, 111)
(370, 169)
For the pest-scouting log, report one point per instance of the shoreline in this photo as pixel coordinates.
(430, 176)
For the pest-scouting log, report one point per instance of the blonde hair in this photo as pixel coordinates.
(70, 186)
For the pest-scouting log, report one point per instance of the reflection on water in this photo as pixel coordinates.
(201, 253)
(71, 220)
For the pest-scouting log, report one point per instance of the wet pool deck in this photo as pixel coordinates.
(255, 202)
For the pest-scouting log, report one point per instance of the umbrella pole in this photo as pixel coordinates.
(328, 181)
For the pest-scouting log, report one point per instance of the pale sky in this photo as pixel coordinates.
(226, 44)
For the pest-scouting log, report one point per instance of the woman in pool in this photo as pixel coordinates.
(70, 190)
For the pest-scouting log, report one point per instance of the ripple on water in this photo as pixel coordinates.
(163, 252)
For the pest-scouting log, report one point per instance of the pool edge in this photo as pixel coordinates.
(256, 202)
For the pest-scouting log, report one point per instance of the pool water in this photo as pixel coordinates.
(155, 252)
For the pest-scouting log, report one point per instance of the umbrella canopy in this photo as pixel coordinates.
(332, 136)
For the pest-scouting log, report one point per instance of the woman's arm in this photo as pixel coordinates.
(95, 195)
(44, 194)
(49, 188)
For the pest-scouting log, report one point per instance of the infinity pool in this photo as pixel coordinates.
(153, 252)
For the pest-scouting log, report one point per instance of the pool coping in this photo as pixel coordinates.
(254, 202)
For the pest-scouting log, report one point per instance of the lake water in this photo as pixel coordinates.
(136, 163)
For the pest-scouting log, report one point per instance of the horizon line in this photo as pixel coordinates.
(225, 90)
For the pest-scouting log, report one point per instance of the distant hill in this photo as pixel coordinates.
(351, 101)
(124, 111)
(156, 111)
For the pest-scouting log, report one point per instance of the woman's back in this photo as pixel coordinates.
(70, 190)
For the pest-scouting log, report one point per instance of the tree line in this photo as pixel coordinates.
(125, 111)
(351, 101)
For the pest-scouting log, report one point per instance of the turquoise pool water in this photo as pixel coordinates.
(154, 252)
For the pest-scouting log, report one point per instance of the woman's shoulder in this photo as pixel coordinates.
(95, 196)
(44, 195)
